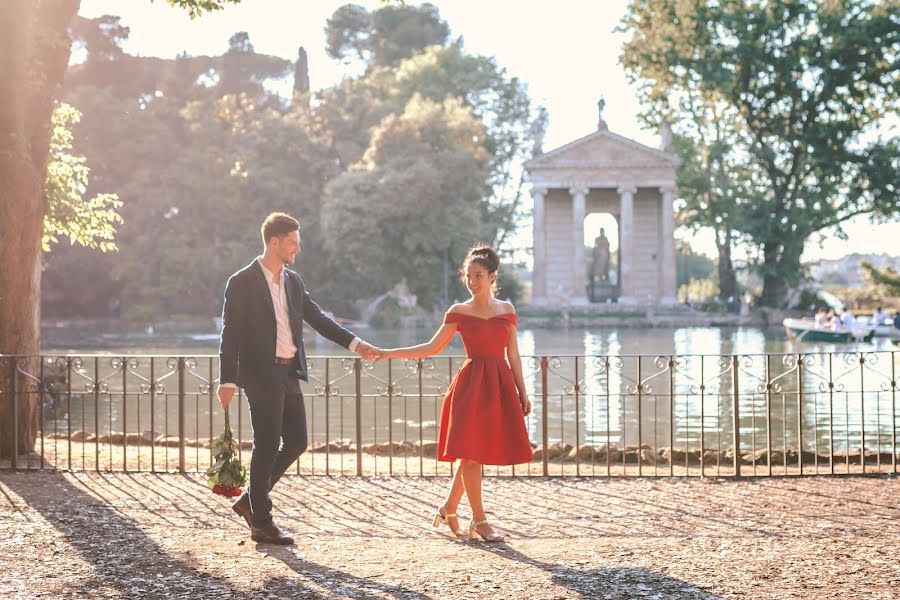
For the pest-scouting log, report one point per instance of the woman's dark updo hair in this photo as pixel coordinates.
(483, 255)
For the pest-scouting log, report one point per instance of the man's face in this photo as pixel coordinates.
(287, 247)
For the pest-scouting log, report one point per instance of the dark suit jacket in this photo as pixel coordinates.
(247, 349)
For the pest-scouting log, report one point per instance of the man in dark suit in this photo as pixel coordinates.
(262, 351)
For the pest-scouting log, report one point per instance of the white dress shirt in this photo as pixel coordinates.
(284, 339)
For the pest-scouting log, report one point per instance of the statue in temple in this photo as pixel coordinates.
(600, 270)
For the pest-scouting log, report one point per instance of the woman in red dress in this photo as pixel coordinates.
(483, 415)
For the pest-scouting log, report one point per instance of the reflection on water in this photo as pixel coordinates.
(112, 337)
(598, 391)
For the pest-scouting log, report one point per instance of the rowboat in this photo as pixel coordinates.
(805, 330)
(888, 331)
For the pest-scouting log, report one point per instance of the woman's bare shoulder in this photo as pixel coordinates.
(460, 308)
(505, 307)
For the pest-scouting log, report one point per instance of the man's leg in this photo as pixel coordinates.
(293, 431)
(266, 407)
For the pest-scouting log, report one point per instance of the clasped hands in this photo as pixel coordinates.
(369, 352)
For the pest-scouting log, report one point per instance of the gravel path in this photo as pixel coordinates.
(166, 536)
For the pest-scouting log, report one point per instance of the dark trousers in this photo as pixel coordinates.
(278, 417)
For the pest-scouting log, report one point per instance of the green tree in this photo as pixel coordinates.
(708, 185)
(195, 164)
(415, 197)
(384, 36)
(691, 266)
(884, 282)
(499, 101)
(35, 46)
(346, 116)
(348, 112)
(89, 223)
(809, 86)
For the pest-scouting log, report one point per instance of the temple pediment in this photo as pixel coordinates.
(602, 149)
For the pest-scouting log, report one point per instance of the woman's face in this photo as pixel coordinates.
(478, 280)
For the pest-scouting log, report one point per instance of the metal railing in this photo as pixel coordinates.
(689, 415)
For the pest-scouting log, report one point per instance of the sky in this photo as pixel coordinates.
(567, 51)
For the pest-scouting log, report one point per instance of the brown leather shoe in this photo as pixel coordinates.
(270, 534)
(242, 507)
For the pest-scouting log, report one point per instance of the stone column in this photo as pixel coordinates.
(626, 243)
(539, 270)
(579, 265)
(667, 264)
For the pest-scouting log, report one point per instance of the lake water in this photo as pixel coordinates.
(838, 397)
(111, 337)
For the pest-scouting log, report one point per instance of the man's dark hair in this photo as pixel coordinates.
(278, 224)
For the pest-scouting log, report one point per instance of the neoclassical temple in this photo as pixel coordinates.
(604, 173)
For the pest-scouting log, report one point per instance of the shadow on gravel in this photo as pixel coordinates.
(337, 582)
(129, 563)
(623, 583)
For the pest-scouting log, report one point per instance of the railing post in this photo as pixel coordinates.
(96, 386)
(768, 413)
(736, 410)
(125, 415)
(893, 413)
(671, 415)
(69, 411)
(544, 416)
(831, 411)
(577, 429)
(799, 413)
(327, 416)
(421, 432)
(181, 407)
(862, 413)
(153, 418)
(357, 372)
(13, 397)
(640, 396)
(41, 391)
(702, 416)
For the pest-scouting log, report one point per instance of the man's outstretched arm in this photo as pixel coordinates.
(326, 326)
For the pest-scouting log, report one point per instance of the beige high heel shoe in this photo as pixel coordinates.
(474, 534)
(442, 518)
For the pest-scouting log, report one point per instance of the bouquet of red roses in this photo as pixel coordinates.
(227, 475)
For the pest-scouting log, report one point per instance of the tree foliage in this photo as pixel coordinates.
(88, 222)
(393, 173)
(35, 49)
(413, 200)
(884, 282)
(805, 89)
(196, 8)
(385, 36)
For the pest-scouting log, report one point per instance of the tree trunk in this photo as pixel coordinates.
(780, 269)
(35, 46)
(727, 279)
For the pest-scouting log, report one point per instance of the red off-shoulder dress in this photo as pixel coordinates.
(482, 417)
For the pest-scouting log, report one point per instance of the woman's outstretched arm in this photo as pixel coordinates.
(437, 343)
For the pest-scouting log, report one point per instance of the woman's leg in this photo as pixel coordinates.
(471, 476)
(451, 504)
